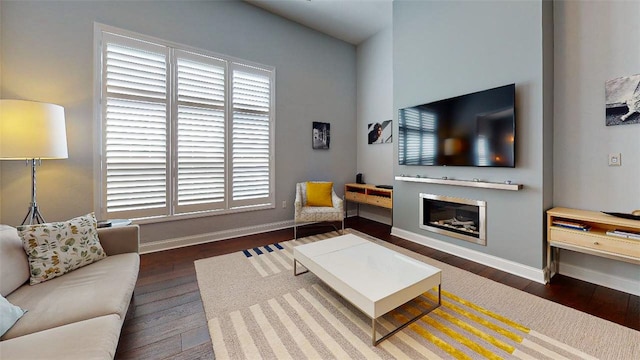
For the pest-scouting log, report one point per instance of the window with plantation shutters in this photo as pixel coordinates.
(181, 131)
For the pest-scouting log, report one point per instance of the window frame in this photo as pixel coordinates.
(100, 204)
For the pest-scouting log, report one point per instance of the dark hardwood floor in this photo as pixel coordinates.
(166, 319)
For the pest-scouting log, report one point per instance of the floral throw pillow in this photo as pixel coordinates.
(56, 248)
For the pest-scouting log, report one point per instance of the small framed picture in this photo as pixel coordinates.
(321, 135)
(623, 100)
(380, 133)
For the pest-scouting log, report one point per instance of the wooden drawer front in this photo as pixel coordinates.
(355, 196)
(610, 244)
(380, 201)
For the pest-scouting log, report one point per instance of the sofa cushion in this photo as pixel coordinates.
(54, 249)
(95, 338)
(9, 314)
(14, 267)
(102, 288)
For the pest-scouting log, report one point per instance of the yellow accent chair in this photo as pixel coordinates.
(316, 201)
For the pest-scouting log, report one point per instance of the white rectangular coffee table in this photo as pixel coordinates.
(373, 278)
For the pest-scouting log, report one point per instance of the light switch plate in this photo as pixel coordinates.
(615, 159)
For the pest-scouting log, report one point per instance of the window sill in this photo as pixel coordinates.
(200, 214)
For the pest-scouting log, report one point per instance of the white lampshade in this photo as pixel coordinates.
(32, 130)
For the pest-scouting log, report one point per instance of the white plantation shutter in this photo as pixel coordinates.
(251, 136)
(200, 132)
(135, 127)
(181, 130)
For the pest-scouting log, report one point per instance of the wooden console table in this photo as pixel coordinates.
(368, 194)
(595, 240)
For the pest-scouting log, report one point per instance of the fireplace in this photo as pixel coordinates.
(459, 218)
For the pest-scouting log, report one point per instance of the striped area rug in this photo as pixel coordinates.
(257, 309)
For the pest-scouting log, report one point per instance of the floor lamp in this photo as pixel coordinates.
(32, 131)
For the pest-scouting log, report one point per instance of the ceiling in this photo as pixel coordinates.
(352, 21)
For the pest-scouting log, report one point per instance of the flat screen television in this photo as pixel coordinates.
(476, 129)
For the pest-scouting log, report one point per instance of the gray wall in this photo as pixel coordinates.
(445, 49)
(375, 104)
(595, 42)
(47, 55)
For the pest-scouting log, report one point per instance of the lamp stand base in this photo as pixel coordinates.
(33, 216)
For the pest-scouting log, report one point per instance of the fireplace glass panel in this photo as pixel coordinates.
(460, 218)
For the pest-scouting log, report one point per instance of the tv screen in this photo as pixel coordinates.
(476, 129)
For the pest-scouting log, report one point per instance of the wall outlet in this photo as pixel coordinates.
(615, 159)
(284, 204)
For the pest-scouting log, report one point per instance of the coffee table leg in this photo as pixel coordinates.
(295, 273)
(373, 332)
(375, 342)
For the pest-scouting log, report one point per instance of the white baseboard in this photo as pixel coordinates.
(595, 277)
(509, 266)
(168, 244)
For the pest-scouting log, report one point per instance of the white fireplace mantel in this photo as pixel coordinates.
(507, 185)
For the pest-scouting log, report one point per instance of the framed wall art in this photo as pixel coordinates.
(380, 133)
(321, 135)
(623, 100)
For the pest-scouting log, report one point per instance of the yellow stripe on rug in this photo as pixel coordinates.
(529, 344)
(486, 337)
(489, 313)
(454, 335)
(432, 338)
(500, 330)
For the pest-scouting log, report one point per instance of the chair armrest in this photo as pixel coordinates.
(337, 201)
(298, 201)
(120, 239)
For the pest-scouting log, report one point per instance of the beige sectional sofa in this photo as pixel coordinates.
(78, 315)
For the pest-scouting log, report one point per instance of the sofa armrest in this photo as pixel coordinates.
(120, 239)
